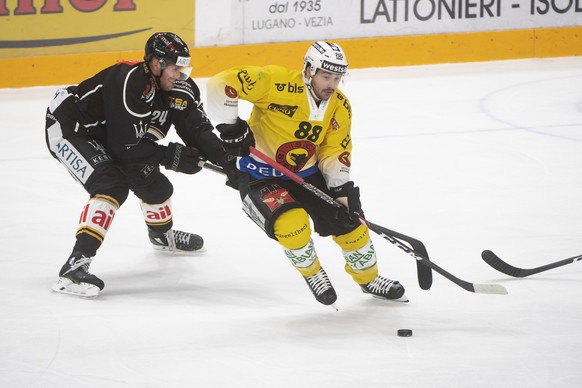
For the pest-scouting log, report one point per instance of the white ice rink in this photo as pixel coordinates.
(464, 157)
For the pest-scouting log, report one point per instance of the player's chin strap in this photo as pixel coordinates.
(307, 82)
(163, 67)
(313, 95)
(158, 78)
(152, 76)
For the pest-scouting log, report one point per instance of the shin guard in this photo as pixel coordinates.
(293, 232)
(304, 259)
(360, 255)
(158, 217)
(94, 222)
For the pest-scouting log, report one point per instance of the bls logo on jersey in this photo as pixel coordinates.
(291, 87)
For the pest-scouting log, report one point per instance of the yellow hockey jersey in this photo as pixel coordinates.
(287, 123)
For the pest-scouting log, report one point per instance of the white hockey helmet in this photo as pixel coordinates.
(326, 56)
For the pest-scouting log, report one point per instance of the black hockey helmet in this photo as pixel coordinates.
(169, 49)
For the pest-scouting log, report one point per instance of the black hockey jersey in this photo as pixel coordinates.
(123, 107)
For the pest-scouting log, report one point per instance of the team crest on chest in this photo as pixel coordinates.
(294, 155)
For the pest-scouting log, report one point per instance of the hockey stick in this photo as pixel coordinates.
(494, 261)
(424, 273)
(211, 167)
(387, 234)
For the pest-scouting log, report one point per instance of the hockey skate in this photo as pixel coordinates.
(176, 241)
(75, 279)
(384, 288)
(321, 288)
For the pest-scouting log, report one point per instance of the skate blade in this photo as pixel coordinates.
(402, 299)
(178, 251)
(68, 287)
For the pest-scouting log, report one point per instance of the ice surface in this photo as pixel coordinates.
(464, 157)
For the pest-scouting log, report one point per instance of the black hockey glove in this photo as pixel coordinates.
(181, 158)
(231, 171)
(236, 138)
(349, 196)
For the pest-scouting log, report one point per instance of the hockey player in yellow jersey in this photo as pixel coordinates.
(303, 121)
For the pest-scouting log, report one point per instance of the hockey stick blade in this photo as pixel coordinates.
(471, 287)
(423, 271)
(494, 261)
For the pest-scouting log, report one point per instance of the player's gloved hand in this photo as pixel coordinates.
(237, 137)
(181, 158)
(231, 171)
(349, 196)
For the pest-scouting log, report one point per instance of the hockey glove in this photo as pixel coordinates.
(231, 171)
(236, 138)
(181, 158)
(349, 196)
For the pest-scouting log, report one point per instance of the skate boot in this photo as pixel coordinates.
(176, 241)
(75, 278)
(321, 287)
(384, 288)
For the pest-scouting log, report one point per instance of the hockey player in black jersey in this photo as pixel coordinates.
(104, 131)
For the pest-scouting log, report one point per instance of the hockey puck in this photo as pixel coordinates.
(404, 333)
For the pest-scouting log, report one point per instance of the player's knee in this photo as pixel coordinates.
(353, 240)
(158, 190)
(109, 181)
(292, 228)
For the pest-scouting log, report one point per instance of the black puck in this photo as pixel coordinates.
(404, 333)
